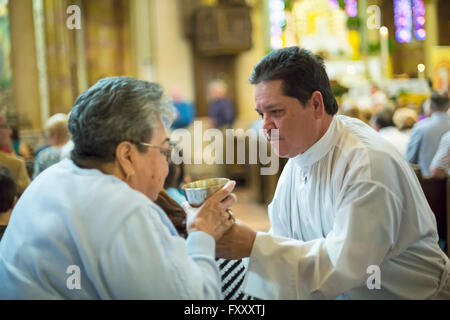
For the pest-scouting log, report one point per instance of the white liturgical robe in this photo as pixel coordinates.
(349, 220)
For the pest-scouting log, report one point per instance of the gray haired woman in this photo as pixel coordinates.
(87, 228)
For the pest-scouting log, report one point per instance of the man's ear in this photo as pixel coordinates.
(317, 103)
(125, 158)
(14, 202)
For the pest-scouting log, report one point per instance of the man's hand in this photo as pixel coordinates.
(212, 217)
(237, 242)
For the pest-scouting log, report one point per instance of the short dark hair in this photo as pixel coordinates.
(301, 73)
(384, 118)
(439, 102)
(8, 189)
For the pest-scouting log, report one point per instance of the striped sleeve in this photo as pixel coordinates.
(232, 274)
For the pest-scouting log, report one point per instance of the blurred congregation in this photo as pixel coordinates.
(388, 62)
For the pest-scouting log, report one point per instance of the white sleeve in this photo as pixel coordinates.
(442, 157)
(365, 229)
(412, 150)
(144, 261)
(281, 202)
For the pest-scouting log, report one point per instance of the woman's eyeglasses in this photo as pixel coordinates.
(167, 152)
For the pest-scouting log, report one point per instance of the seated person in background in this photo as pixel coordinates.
(352, 112)
(6, 143)
(222, 110)
(426, 134)
(15, 164)
(185, 110)
(15, 140)
(175, 180)
(404, 119)
(440, 165)
(366, 115)
(378, 97)
(384, 124)
(424, 110)
(232, 272)
(8, 197)
(381, 120)
(94, 215)
(58, 136)
(23, 150)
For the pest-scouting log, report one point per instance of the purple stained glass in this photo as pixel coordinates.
(420, 34)
(277, 20)
(403, 35)
(418, 8)
(351, 7)
(403, 20)
(334, 3)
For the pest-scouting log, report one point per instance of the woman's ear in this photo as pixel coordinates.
(125, 158)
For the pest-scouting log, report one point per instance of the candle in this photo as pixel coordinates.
(421, 69)
(384, 36)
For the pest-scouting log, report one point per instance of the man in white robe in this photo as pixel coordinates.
(349, 218)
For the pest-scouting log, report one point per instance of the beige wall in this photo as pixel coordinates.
(24, 65)
(170, 53)
(172, 57)
(245, 63)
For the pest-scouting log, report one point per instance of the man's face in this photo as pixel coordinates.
(297, 123)
(5, 132)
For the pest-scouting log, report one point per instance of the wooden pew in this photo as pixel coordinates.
(437, 192)
(448, 217)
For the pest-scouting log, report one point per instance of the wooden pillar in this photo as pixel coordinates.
(25, 86)
(61, 58)
(431, 28)
(141, 22)
(108, 39)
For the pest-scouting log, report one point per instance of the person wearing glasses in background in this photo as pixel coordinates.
(88, 227)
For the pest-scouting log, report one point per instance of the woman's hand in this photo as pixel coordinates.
(212, 217)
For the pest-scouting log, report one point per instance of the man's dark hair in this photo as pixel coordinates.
(8, 189)
(301, 73)
(439, 102)
(384, 119)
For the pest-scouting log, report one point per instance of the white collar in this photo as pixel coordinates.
(318, 150)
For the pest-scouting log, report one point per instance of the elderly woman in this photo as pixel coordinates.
(404, 119)
(88, 228)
